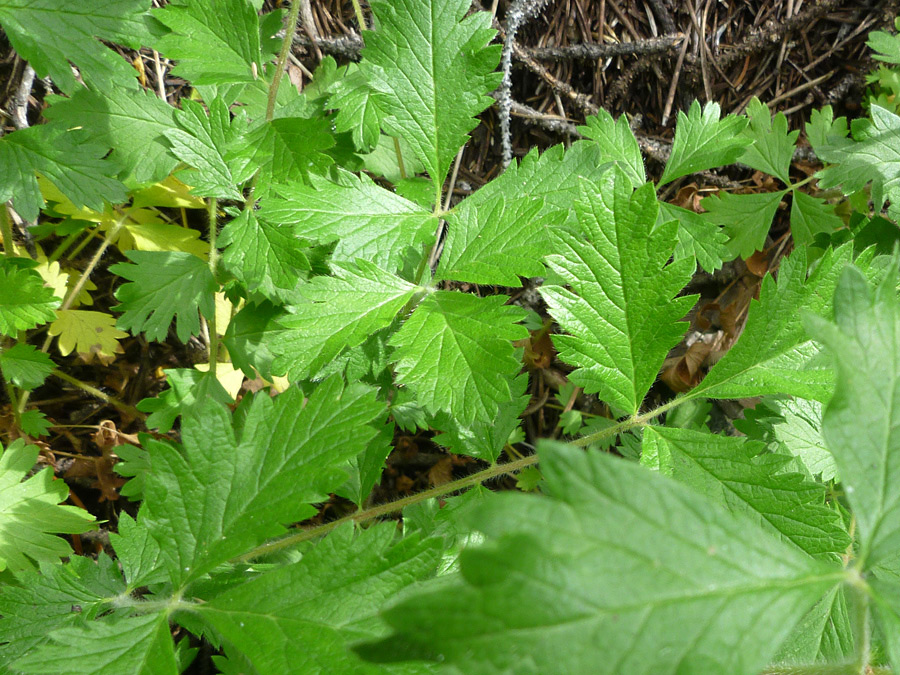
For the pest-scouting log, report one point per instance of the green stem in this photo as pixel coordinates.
(10, 389)
(360, 17)
(6, 232)
(447, 488)
(794, 186)
(399, 154)
(289, 29)
(213, 266)
(73, 294)
(66, 243)
(96, 393)
(859, 618)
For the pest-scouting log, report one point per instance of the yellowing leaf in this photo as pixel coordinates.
(159, 236)
(90, 333)
(229, 377)
(61, 281)
(170, 192)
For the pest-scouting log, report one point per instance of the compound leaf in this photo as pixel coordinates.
(703, 141)
(141, 645)
(308, 629)
(773, 145)
(25, 366)
(69, 159)
(165, 285)
(263, 254)
(76, 37)
(366, 220)
(745, 219)
(617, 144)
(24, 300)
(455, 353)
(620, 310)
(214, 42)
(739, 475)
(697, 237)
(861, 421)
(811, 216)
(638, 574)
(339, 311)
(221, 494)
(30, 512)
(432, 70)
(132, 123)
(773, 354)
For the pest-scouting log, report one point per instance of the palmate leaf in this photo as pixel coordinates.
(58, 596)
(739, 475)
(132, 123)
(339, 311)
(503, 230)
(88, 333)
(308, 630)
(69, 159)
(861, 421)
(811, 216)
(773, 145)
(77, 33)
(617, 143)
(141, 645)
(455, 353)
(697, 237)
(164, 286)
(30, 513)
(432, 70)
(703, 141)
(213, 42)
(745, 219)
(220, 494)
(366, 220)
(638, 574)
(773, 354)
(621, 314)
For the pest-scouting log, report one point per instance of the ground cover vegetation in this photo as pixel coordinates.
(343, 306)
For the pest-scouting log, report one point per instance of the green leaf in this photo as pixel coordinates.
(189, 389)
(697, 237)
(886, 44)
(69, 159)
(703, 141)
(202, 142)
(34, 423)
(30, 511)
(25, 366)
(745, 219)
(801, 435)
(621, 314)
(284, 150)
(861, 422)
(638, 574)
(432, 70)
(132, 123)
(617, 144)
(811, 216)
(76, 37)
(502, 231)
(739, 475)
(357, 106)
(455, 353)
(873, 155)
(164, 285)
(308, 630)
(24, 300)
(246, 340)
(485, 440)
(138, 553)
(264, 255)
(824, 636)
(365, 469)
(773, 146)
(213, 42)
(497, 243)
(219, 496)
(339, 311)
(58, 596)
(366, 220)
(141, 645)
(133, 463)
(773, 354)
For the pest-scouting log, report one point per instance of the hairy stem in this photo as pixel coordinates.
(96, 393)
(6, 232)
(213, 266)
(289, 29)
(360, 17)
